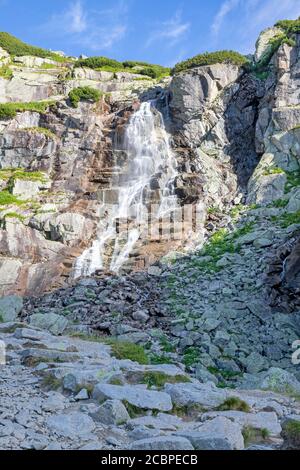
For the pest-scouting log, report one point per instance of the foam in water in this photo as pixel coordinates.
(149, 153)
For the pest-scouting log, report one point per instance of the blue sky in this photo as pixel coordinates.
(158, 31)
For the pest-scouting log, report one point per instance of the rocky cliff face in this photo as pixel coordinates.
(234, 137)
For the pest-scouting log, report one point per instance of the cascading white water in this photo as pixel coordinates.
(149, 153)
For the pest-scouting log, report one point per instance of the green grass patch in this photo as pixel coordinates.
(293, 180)
(191, 356)
(289, 219)
(280, 203)
(51, 383)
(273, 170)
(14, 215)
(1, 319)
(134, 411)
(210, 58)
(159, 379)
(16, 47)
(85, 93)
(252, 435)
(6, 72)
(291, 433)
(160, 359)
(236, 404)
(40, 130)
(10, 110)
(7, 199)
(225, 374)
(125, 350)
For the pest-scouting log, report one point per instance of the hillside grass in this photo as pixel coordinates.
(16, 47)
(106, 64)
(211, 58)
(10, 110)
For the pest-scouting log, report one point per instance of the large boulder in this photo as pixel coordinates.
(52, 322)
(206, 395)
(162, 443)
(218, 434)
(73, 425)
(10, 307)
(135, 395)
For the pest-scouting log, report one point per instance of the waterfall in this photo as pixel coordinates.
(149, 156)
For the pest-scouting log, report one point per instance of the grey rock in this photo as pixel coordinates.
(218, 434)
(52, 322)
(205, 395)
(112, 412)
(135, 395)
(162, 443)
(10, 307)
(72, 425)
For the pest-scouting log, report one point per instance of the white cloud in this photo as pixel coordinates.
(224, 10)
(172, 30)
(94, 30)
(77, 18)
(250, 18)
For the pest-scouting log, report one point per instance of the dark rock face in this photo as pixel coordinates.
(284, 277)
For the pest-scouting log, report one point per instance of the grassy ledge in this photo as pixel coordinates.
(85, 93)
(211, 58)
(10, 110)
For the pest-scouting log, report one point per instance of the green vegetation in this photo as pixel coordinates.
(291, 432)
(160, 359)
(125, 350)
(16, 47)
(220, 243)
(7, 199)
(111, 65)
(252, 434)
(84, 93)
(6, 72)
(280, 203)
(293, 180)
(225, 374)
(51, 383)
(134, 411)
(14, 215)
(273, 170)
(40, 130)
(289, 219)
(1, 319)
(9, 110)
(289, 28)
(191, 356)
(210, 58)
(159, 379)
(234, 403)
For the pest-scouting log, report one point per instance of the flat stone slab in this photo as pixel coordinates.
(218, 434)
(261, 420)
(137, 396)
(162, 443)
(72, 425)
(205, 395)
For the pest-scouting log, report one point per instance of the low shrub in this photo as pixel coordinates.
(16, 47)
(84, 93)
(210, 58)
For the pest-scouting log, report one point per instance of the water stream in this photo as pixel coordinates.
(149, 156)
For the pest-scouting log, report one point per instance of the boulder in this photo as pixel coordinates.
(112, 412)
(135, 395)
(218, 434)
(205, 395)
(162, 443)
(52, 322)
(10, 307)
(281, 381)
(73, 425)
